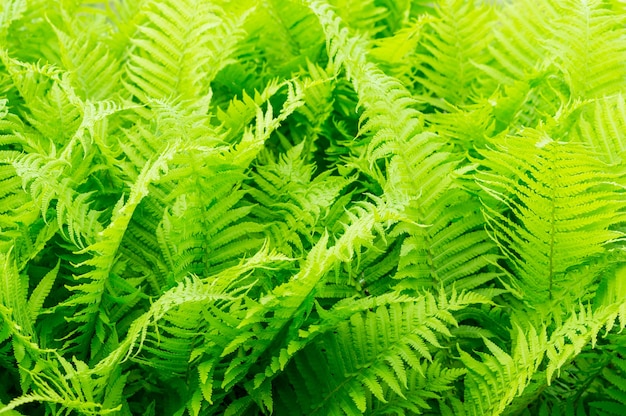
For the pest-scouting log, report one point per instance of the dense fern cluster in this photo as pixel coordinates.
(312, 207)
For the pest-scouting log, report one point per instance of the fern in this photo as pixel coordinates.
(396, 54)
(368, 362)
(291, 203)
(90, 293)
(448, 250)
(517, 47)
(417, 157)
(312, 207)
(584, 37)
(95, 72)
(560, 206)
(508, 376)
(594, 379)
(494, 381)
(200, 235)
(364, 16)
(18, 213)
(599, 126)
(523, 83)
(454, 44)
(180, 46)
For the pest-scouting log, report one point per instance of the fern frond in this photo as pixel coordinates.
(518, 46)
(371, 274)
(453, 45)
(310, 124)
(373, 357)
(11, 11)
(41, 292)
(87, 303)
(396, 54)
(445, 244)
(582, 328)
(206, 228)
(170, 334)
(253, 140)
(520, 84)
(592, 384)
(94, 122)
(49, 186)
(18, 213)
(150, 133)
(587, 45)
(63, 387)
(418, 161)
(497, 378)
(400, 12)
(125, 18)
(282, 36)
(393, 126)
(177, 319)
(46, 104)
(566, 344)
(217, 218)
(291, 203)
(601, 125)
(362, 16)
(179, 50)
(33, 17)
(428, 391)
(133, 148)
(469, 126)
(294, 306)
(527, 103)
(560, 206)
(295, 301)
(93, 69)
(388, 117)
(145, 244)
(13, 296)
(501, 380)
(241, 111)
(452, 250)
(18, 316)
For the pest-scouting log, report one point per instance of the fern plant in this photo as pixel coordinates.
(310, 207)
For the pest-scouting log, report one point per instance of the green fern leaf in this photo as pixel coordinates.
(179, 50)
(87, 302)
(94, 71)
(39, 294)
(600, 125)
(518, 47)
(452, 46)
(588, 47)
(291, 203)
(368, 362)
(495, 380)
(562, 208)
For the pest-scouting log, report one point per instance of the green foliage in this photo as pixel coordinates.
(311, 207)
